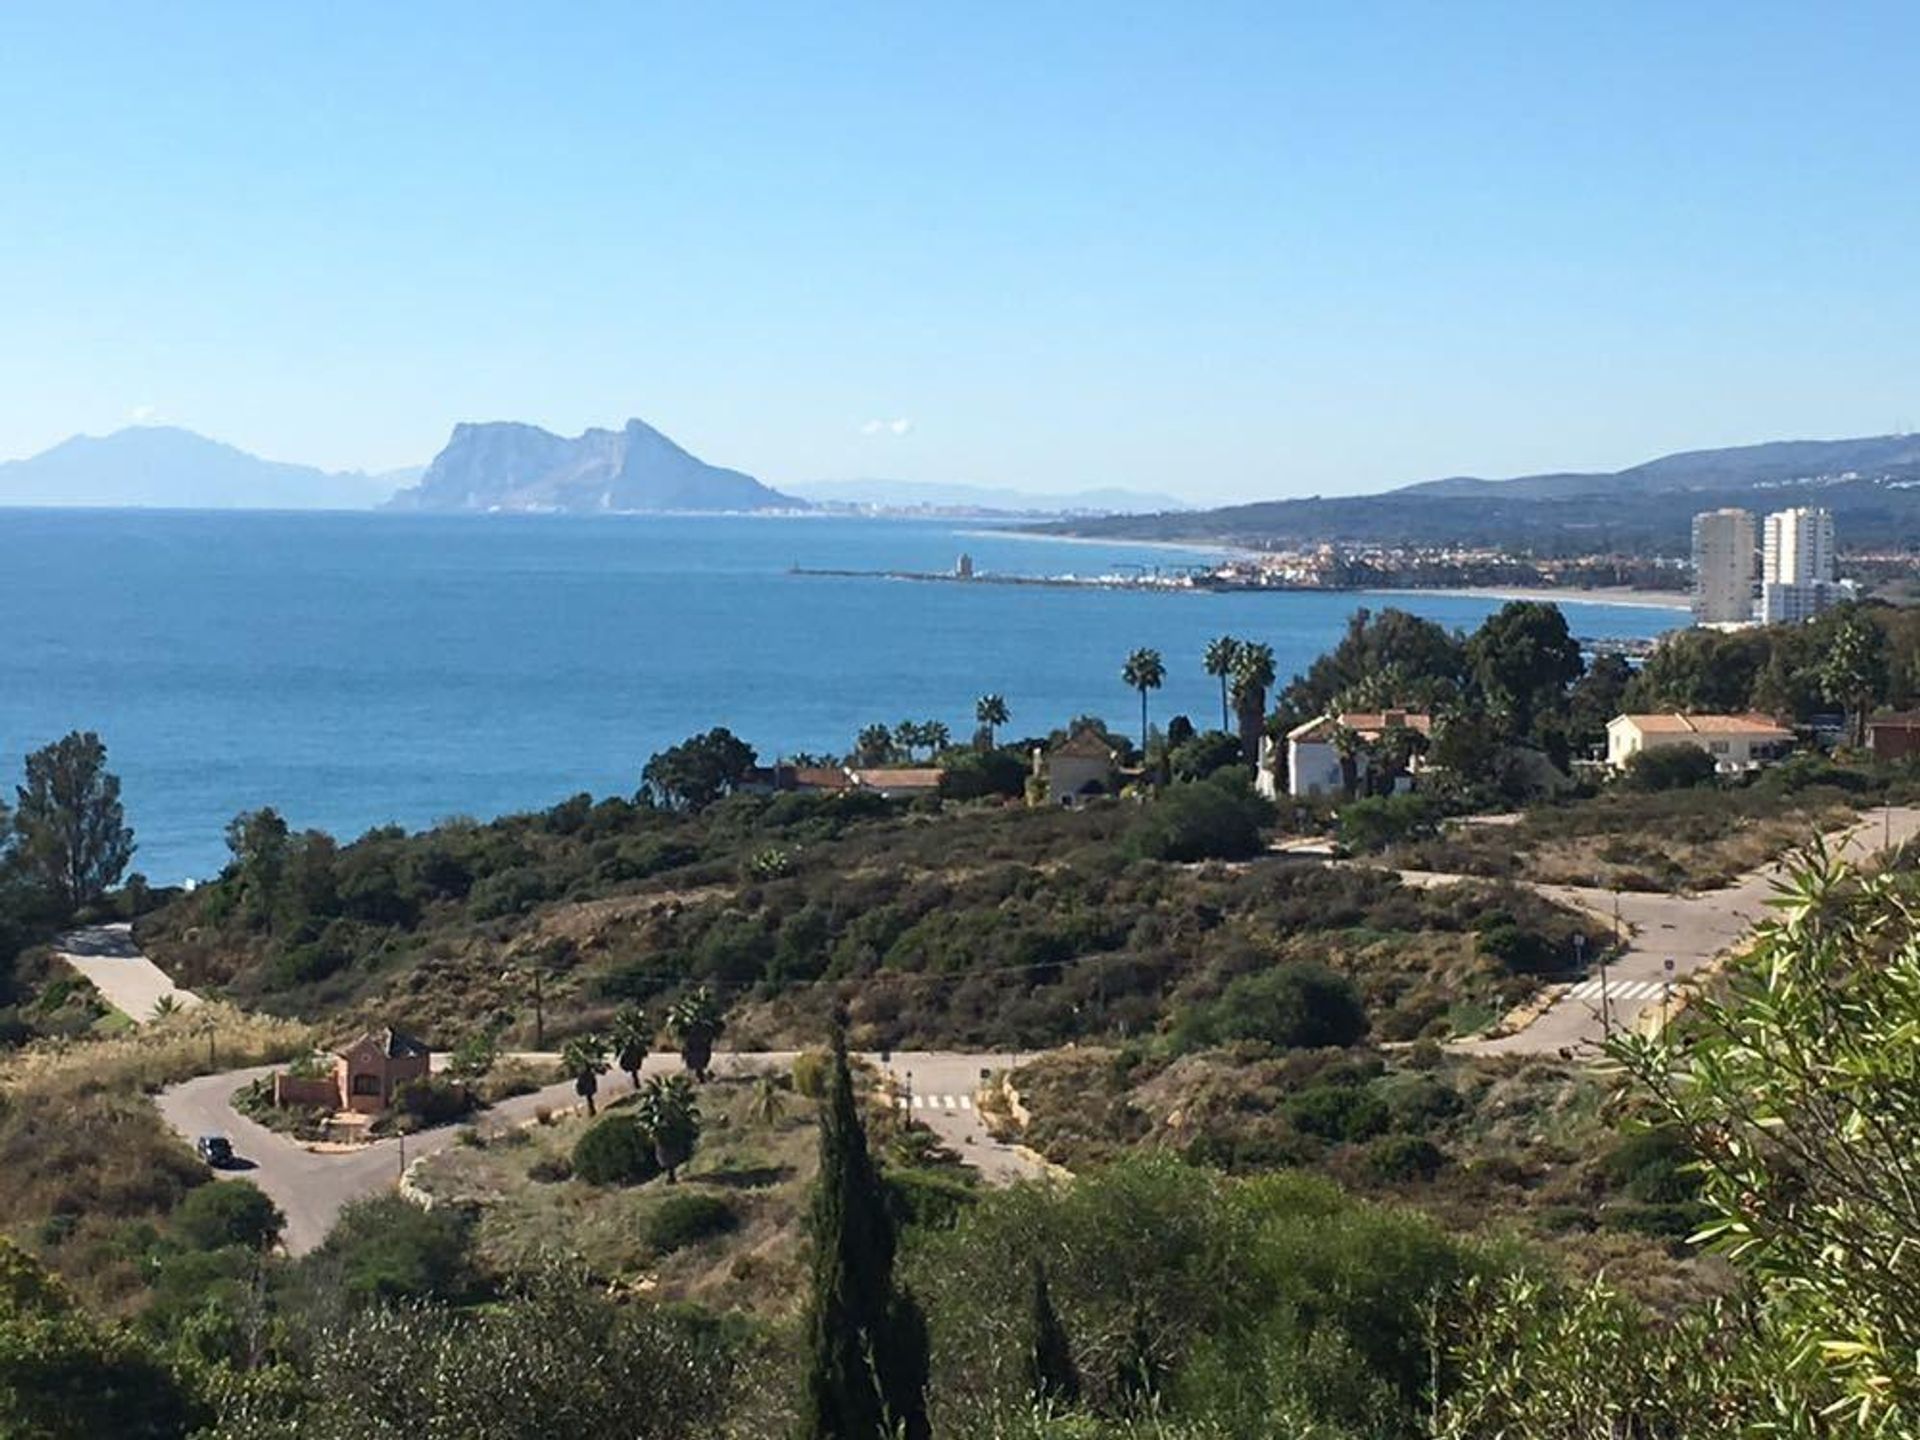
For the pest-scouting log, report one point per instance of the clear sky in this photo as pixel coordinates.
(1228, 251)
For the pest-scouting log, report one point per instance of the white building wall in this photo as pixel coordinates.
(1722, 567)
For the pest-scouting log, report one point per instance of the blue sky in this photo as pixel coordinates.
(1228, 251)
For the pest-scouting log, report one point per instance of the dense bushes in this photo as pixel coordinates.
(1669, 767)
(1216, 819)
(387, 1248)
(685, 1219)
(1374, 823)
(227, 1212)
(615, 1150)
(1289, 1006)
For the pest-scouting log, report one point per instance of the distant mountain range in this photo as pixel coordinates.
(502, 465)
(163, 466)
(914, 495)
(1871, 485)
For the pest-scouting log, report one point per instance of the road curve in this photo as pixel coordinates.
(1688, 930)
(311, 1188)
(132, 983)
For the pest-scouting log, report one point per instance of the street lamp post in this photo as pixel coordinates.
(539, 1012)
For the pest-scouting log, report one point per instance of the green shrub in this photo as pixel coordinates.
(969, 775)
(1204, 756)
(1371, 825)
(810, 1071)
(1404, 1157)
(1217, 819)
(1337, 1112)
(386, 1248)
(432, 1100)
(685, 1219)
(1294, 1006)
(931, 1198)
(227, 1212)
(615, 1150)
(1652, 1166)
(1669, 767)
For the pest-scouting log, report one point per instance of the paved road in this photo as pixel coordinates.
(311, 1188)
(133, 984)
(1689, 930)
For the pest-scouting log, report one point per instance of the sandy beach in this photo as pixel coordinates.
(1606, 595)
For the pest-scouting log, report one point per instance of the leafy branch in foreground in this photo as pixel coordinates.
(1800, 1094)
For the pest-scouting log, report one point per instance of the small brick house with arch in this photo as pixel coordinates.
(367, 1074)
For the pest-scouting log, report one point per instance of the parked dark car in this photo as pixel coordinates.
(216, 1150)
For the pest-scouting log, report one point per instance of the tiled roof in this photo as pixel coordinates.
(1674, 723)
(898, 777)
(1367, 724)
(816, 777)
(394, 1044)
(1085, 744)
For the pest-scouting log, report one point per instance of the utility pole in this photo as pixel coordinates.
(1606, 1000)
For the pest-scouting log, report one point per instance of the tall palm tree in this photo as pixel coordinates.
(696, 1023)
(991, 712)
(632, 1038)
(585, 1060)
(1253, 672)
(1143, 672)
(1222, 655)
(669, 1114)
(935, 736)
(909, 735)
(873, 746)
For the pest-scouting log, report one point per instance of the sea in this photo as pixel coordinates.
(358, 670)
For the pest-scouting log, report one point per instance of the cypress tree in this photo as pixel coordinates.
(867, 1340)
(1051, 1375)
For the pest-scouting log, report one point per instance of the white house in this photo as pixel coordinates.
(1078, 767)
(1737, 743)
(1313, 761)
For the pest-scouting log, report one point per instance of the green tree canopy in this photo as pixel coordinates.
(699, 770)
(866, 1341)
(72, 830)
(1523, 658)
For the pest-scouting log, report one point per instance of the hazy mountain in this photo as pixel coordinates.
(162, 466)
(924, 495)
(502, 465)
(1871, 485)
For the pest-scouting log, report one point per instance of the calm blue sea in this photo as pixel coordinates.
(357, 670)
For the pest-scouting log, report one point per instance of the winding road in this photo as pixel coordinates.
(312, 1186)
(938, 1087)
(1690, 930)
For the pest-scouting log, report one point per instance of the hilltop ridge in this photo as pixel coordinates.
(506, 465)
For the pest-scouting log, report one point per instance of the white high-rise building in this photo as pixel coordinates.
(1722, 567)
(1796, 573)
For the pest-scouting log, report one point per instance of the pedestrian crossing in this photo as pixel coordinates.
(934, 1102)
(1619, 989)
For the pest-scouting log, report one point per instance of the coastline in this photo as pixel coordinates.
(1608, 595)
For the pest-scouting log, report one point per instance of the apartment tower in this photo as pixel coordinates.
(1722, 567)
(1796, 573)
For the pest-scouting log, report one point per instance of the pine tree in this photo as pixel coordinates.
(867, 1340)
(1051, 1375)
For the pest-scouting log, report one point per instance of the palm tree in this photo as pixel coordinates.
(632, 1038)
(1252, 673)
(1348, 745)
(696, 1023)
(935, 736)
(873, 746)
(671, 1116)
(991, 712)
(1143, 672)
(1221, 657)
(585, 1059)
(909, 735)
(166, 1007)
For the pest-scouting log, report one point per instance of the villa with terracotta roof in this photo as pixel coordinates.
(1078, 767)
(1314, 760)
(896, 782)
(1737, 743)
